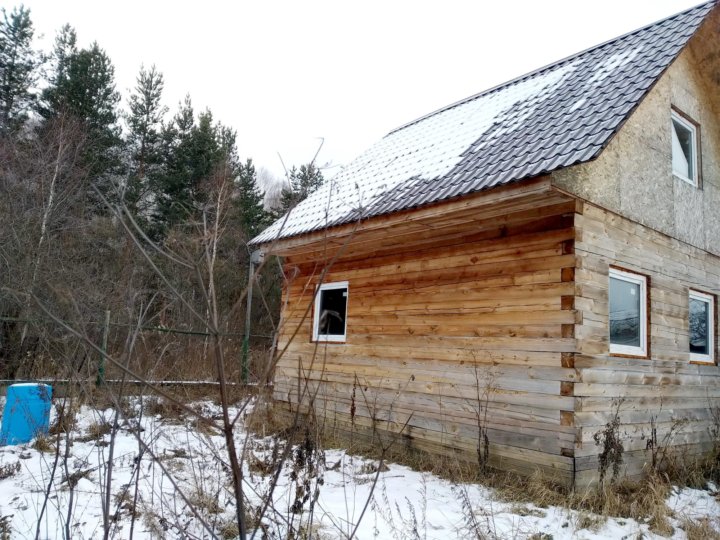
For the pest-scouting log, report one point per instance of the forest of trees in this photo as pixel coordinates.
(112, 203)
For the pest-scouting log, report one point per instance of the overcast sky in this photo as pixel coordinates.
(286, 74)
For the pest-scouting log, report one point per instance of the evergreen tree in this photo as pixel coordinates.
(18, 68)
(172, 189)
(175, 138)
(144, 140)
(65, 47)
(205, 151)
(82, 85)
(226, 154)
(249, 201)
(303, 182)
(191, 151)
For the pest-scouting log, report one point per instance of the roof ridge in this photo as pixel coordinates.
(549, 66)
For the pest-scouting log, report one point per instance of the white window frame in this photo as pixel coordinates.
(692, 128)
(709, 299)
(316, 315)
(636, 279)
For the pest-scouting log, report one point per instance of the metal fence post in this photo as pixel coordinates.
(101, 367)
(256, 257)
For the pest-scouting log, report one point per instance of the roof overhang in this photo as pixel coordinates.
(451, 217)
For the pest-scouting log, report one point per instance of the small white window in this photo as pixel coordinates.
(701, 326)
(684, 149)
(627, 304)
(329, 320)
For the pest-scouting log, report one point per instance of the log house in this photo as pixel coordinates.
(501, 278)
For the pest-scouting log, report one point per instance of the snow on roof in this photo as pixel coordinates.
(557, 116)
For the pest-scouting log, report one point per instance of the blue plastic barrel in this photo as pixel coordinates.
(26, 414)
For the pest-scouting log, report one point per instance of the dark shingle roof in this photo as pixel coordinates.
(557, 116)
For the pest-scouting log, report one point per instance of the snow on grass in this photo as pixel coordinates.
(325, 493)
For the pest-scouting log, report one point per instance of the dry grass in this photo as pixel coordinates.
(156, 526)
(693, 471)
(267, 419)
(643, 500)
(526, 510)
(5, 528)
(9, 469)
(625, 498)
(124, 502)
(585, 520)
(263, 467)
(701, 529)
(173, 357)
(206, 502)
(66, 416)
(449, 468)
(43, 444)
(96, 431)
(159, 406)
(228, 529)
(203, 428)
(536, 489)
(129, 408)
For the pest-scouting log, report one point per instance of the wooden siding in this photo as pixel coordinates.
(501, 322)
(448, 327)
(666, 389)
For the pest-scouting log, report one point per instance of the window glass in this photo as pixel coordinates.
(333, 303)
(625, 313)
(701, 326)
(683, 149)
(329, 320)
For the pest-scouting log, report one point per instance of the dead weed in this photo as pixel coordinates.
(701, 529)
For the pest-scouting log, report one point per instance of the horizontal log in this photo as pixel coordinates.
(422, 352)
(630, 390)
(546, 405)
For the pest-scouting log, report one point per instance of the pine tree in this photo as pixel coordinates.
(82, 85)
(205, 150)
(65, 47)
(191, 151)
(144, 140)
(18, 68)
(170, 188)
(303, 182)
(249, 201)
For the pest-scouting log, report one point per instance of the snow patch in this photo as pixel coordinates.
(613, 63)
(403, 504)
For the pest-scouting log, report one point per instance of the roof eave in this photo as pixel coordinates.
(341, 235)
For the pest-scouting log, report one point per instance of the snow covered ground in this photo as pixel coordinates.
(189, 466)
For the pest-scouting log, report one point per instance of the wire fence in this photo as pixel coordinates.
(163, 329)
(107, 325)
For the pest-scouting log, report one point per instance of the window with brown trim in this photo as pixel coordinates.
(701, 326)
(627, 310)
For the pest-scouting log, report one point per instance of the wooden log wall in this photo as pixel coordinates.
(451, 333)
(665, 391)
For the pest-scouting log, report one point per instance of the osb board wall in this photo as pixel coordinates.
(447, 340)
(667, 389)
(633, 175)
